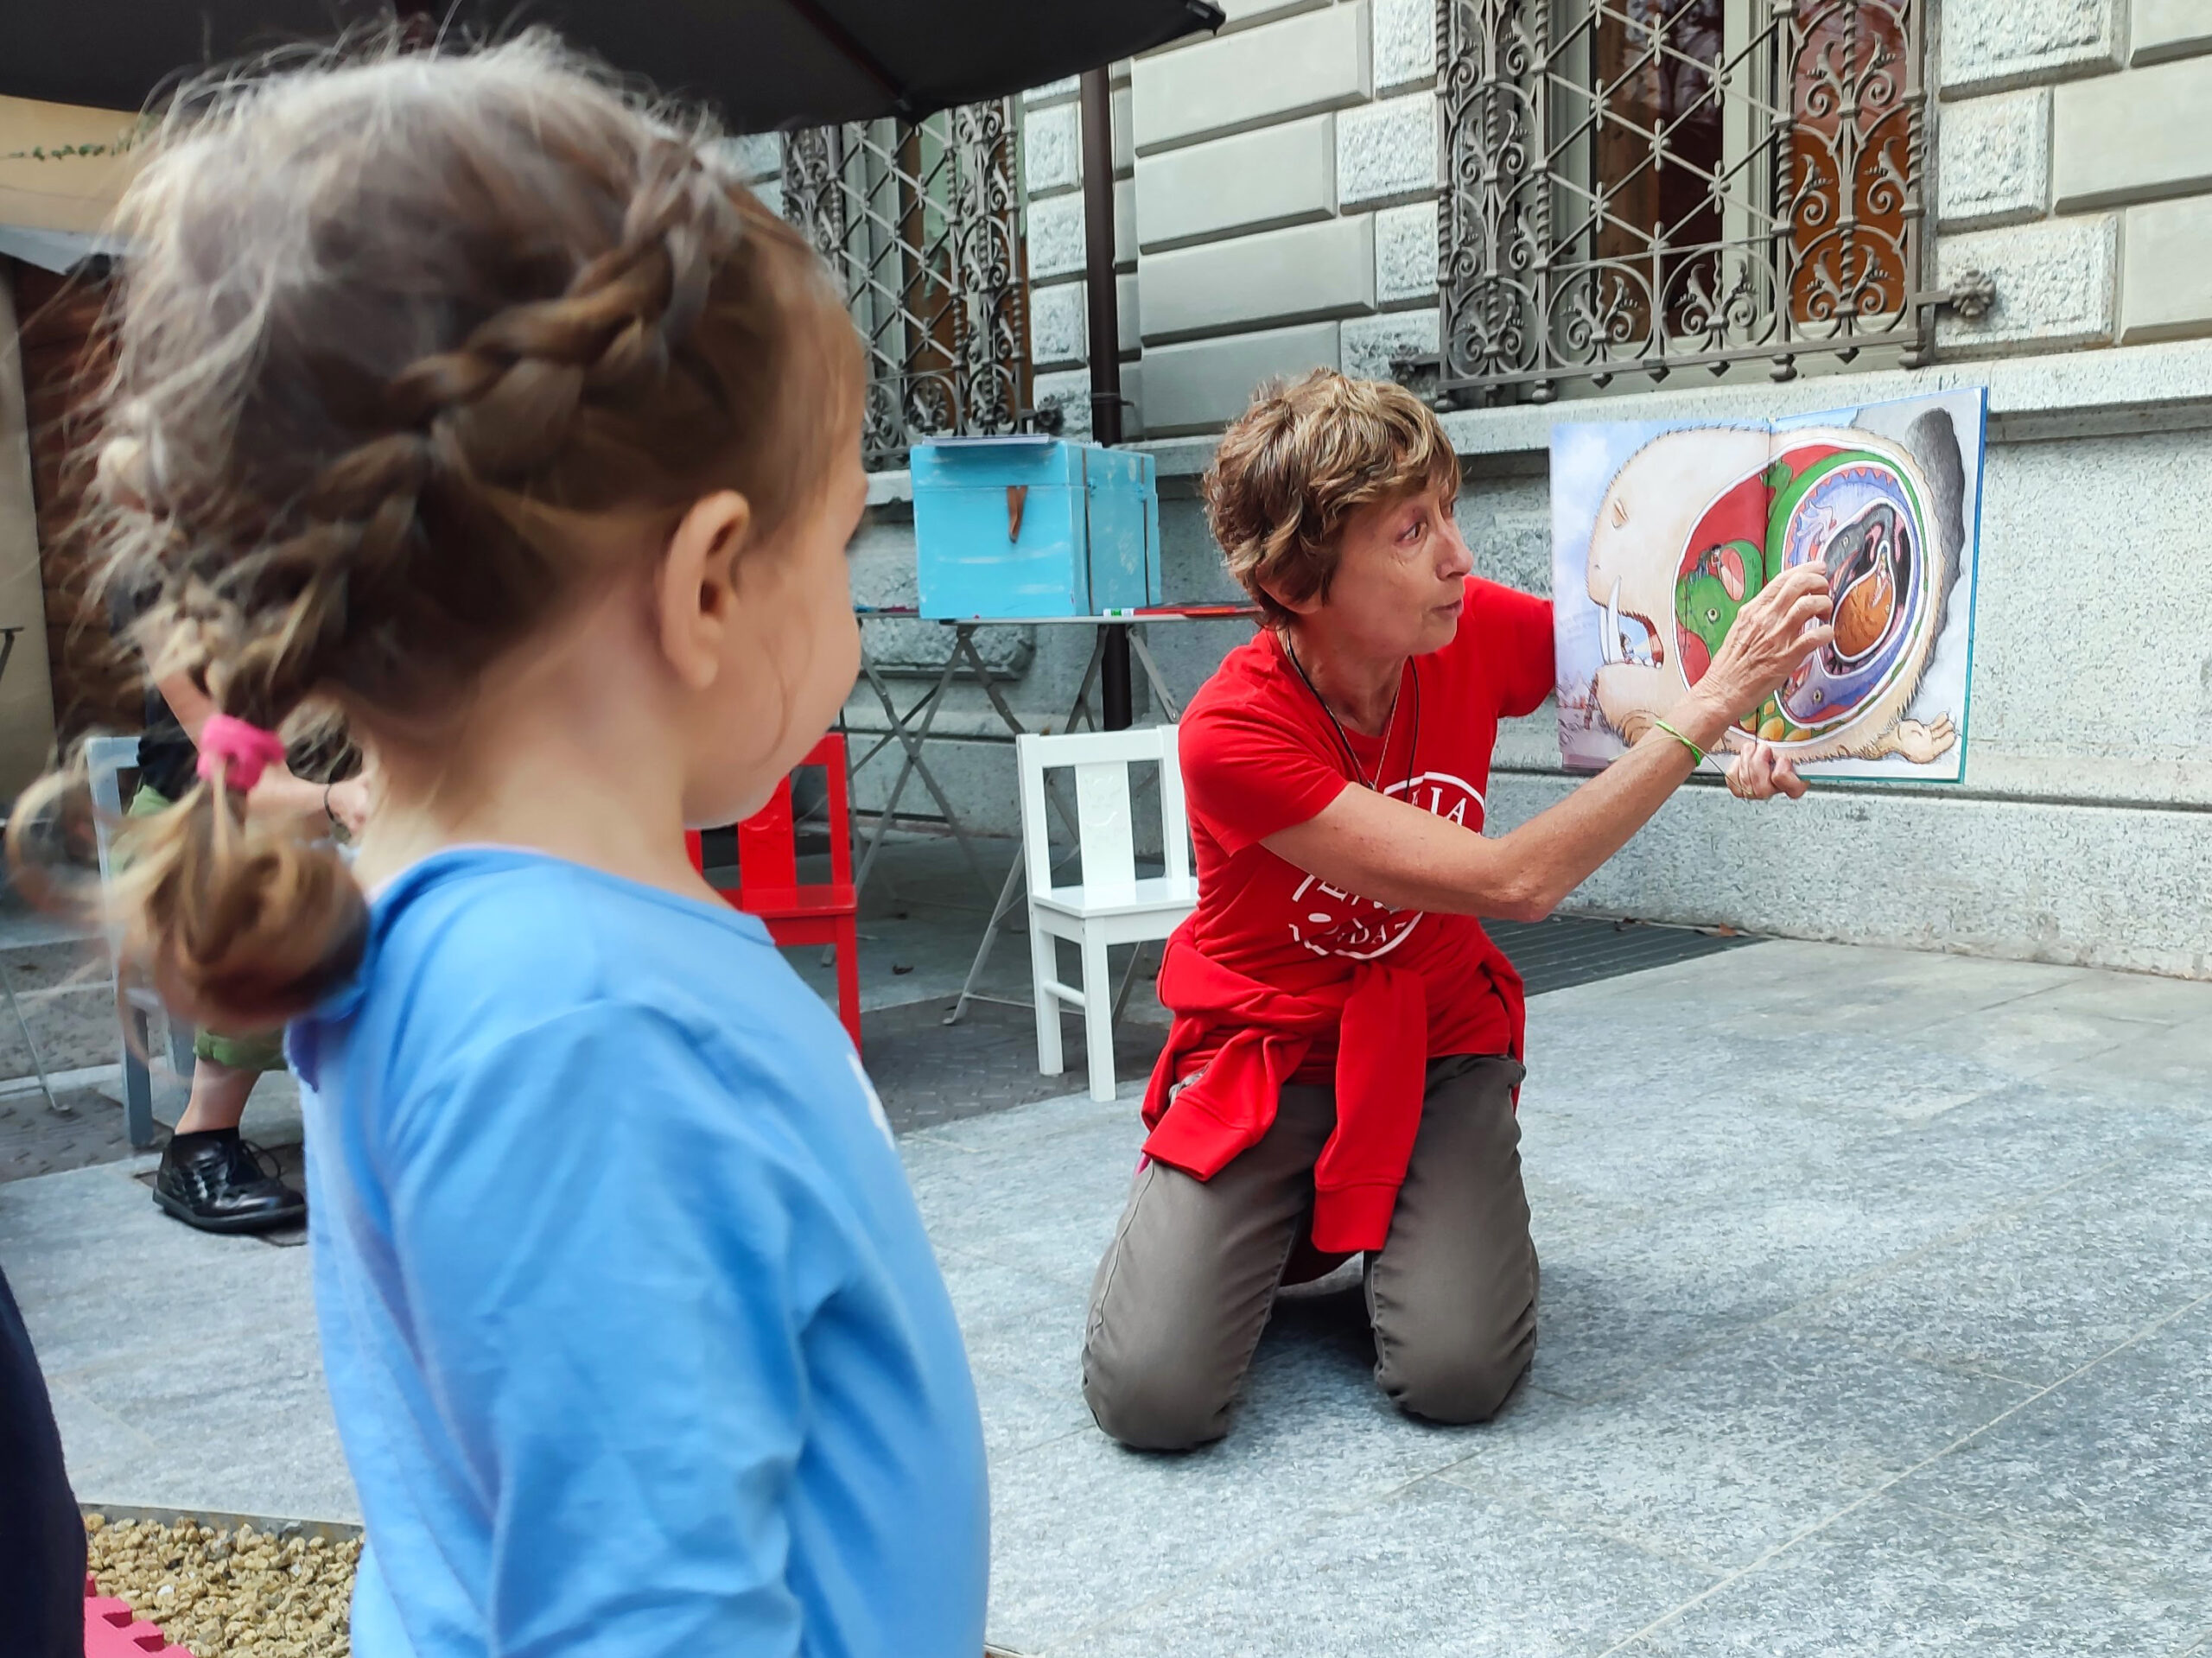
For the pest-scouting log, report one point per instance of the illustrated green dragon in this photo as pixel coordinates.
(1728, 576)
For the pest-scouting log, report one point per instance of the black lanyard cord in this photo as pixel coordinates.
(1352, 759)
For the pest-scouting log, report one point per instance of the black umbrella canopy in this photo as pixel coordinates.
(762, 64)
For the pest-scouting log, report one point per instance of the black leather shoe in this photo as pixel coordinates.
(213, 1180)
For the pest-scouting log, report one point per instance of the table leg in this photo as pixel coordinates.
(1006, 900)
(898, 721)
(1016, 877)
(16, 1007)
(1157, 681)
(912, 742)
(966, 643)
(1080, 709)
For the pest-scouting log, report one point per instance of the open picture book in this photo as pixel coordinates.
(1662, 532)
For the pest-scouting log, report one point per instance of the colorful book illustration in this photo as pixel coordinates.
(1662, 532)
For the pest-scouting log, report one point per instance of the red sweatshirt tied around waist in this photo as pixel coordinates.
(1380, 1015)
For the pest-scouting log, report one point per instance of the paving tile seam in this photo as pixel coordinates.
(934, 1135)
(1514, 1495)
(1991, 1222)
(1332, 1513)
(80, 1400)
(2071, 1061)
(2148, 1020)
(1965, 1372)
(131, 1364)
(1598, 1233)
(1782, 1317)
(1631, 1384)
(1895, 1480)
(2073, 977)
(2112, 1565)
(1075, 1097)
(1049, 1439)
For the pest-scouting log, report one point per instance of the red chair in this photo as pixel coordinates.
(768, 884)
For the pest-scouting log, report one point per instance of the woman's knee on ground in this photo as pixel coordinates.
(1456, 1376)
(1155, 1401)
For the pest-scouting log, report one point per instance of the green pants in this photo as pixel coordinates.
(256, 1051)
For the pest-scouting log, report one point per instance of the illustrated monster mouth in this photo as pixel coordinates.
(1869, 562)
(1628, 637)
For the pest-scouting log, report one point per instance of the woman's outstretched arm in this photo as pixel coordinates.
(1396, 854)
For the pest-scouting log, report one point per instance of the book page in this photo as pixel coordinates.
(1663, 533)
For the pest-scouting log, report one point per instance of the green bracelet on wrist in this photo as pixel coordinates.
(1697, 754)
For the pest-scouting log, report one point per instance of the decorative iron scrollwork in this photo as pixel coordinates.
(1642, 186)
(921, 223)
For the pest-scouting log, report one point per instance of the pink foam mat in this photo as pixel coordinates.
(112, 1630)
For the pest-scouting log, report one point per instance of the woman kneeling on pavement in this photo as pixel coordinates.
(1342, 1072)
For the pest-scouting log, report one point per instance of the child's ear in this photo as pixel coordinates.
(696, 594)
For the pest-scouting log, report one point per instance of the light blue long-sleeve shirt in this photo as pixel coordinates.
(635, 1342)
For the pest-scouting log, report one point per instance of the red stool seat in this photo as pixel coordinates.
(819, 912)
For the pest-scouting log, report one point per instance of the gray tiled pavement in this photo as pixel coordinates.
(1877, 1319)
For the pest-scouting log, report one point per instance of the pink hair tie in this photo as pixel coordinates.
(234, 753)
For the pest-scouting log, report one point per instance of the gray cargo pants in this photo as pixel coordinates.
(1190, 1278)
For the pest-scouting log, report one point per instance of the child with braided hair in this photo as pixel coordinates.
(462, 395)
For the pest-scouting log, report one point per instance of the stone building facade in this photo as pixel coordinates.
(1297, 189)
(1278, 208)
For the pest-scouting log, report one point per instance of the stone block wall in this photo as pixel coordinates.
(1284, 187)
(2072, 167)
(1278, 211)
(2083, 831)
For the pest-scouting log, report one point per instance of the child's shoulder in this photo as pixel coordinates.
(474, 907)
(510, 1006)
(474, 945)
(499, 965)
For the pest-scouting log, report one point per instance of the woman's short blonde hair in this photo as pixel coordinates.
(1301, 460)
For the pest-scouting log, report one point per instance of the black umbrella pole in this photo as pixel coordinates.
(1098, 257)
(1105, 319)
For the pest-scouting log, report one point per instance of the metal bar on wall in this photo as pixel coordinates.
(1104, 318)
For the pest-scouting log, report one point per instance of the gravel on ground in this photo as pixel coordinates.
(239, 1593)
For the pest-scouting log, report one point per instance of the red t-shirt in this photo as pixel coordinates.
(1260, 755)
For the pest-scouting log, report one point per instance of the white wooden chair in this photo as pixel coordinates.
(107, 758)
(1113, 905)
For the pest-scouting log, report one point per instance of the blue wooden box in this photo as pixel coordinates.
(1033, 526)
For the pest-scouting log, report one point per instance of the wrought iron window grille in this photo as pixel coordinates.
(1639, 186)
(920, 222)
